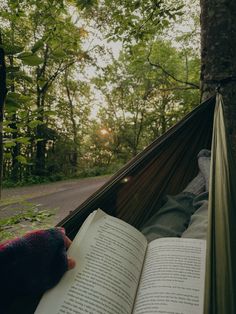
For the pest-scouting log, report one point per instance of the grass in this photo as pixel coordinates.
(26, 216)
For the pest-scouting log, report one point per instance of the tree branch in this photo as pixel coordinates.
(153, 7)
(175, 88)
(52, 78)
(169, 74)
(59, 70)
(41, 70)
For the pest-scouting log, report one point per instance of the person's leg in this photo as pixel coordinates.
(171, 219)
(197, 228)
(204, 160)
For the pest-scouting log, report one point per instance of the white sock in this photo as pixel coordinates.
(197, 185)
(204, 160)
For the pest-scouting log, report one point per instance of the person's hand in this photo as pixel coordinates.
(71, 261)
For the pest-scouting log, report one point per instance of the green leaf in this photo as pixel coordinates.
(54, 43)
(50, 113)
(9, 143)
(85, 3)
(14, 95)
(25, 77)
(39, 44)
(14, 70)
(31, 59)
(23, 140)
(7, 155)
(34, 123)
(59, 54)
(25, 99)
(11, 49)
(12, 101)
(21, 159)
(39, 140)
(9, 130)
(12, 108)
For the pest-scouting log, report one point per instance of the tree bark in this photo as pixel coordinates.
(218, 69)
(41, 145)
(74, 159)
(40, 134)
(218, 51)
(15, 135)
(3, 93)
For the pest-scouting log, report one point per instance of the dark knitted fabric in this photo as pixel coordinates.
(32, 264)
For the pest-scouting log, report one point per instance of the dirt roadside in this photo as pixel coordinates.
(44, 205)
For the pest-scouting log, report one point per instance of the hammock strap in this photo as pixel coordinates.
(220, 287)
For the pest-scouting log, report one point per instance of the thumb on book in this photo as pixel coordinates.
(71, 263)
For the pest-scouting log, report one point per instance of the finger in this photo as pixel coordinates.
(67, 241)
(71, 263)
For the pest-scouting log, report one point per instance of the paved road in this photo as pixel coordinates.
(62, 197)
(68, 198)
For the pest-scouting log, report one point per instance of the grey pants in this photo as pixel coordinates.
(183, 215)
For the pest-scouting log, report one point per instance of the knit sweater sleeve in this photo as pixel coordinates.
(33, 263)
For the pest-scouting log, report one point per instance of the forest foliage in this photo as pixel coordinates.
(76, 107)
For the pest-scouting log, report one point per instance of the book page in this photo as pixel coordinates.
(173, 277)
(109, 256)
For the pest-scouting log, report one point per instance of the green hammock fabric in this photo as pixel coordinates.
(221, 252)
(135, 192)
(165, 167)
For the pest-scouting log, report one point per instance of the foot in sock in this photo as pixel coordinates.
(197, 185)
(204, 160)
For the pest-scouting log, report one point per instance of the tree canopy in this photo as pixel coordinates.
(74, 106)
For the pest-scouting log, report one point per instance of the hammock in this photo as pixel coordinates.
(220, 288)
(165, 167)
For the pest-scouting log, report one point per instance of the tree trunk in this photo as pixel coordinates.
(218, 68)
(41, 93)
(3, 92)
(40, 134)
(16, 149)
(74, 157)
(218, 51)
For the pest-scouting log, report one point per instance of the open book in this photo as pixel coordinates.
(118, 272)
